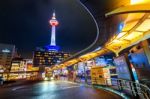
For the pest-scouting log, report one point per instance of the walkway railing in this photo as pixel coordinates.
(140, 91)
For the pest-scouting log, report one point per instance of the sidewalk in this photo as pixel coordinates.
(105, 88)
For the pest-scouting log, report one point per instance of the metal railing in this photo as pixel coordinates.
(134, 89)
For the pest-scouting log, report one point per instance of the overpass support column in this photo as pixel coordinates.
(117, 54)
(85, 74)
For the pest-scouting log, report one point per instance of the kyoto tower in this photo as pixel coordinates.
(53, 22)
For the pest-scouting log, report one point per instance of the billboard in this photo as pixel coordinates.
(122, 68)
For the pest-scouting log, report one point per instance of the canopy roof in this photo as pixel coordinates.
(136, 28)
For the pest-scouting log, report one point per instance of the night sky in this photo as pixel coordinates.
(24, 23)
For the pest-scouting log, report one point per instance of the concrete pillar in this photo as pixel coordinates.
(146, 49)
(85, 75)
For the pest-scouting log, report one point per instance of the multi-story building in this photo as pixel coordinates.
(48, 58)
(17, 65)
(7, 52)
(22, 69)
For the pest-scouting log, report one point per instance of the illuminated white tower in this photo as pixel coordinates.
(53, 22)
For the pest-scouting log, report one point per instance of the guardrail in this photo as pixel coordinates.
(134, 89)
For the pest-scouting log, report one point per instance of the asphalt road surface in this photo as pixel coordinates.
(55, 90)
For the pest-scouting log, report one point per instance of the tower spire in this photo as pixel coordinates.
(54, 15)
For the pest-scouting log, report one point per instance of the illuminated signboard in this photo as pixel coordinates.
(122, 68)
(6, 51)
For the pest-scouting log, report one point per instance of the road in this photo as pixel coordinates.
(54, 90)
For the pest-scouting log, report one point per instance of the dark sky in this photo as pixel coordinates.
(24, 23)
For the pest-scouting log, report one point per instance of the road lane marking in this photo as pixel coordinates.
(18, 88)
(70, 87)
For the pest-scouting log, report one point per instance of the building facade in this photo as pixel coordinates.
(22, 69)
(17, 67)
(48, 58)
(7, 53)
